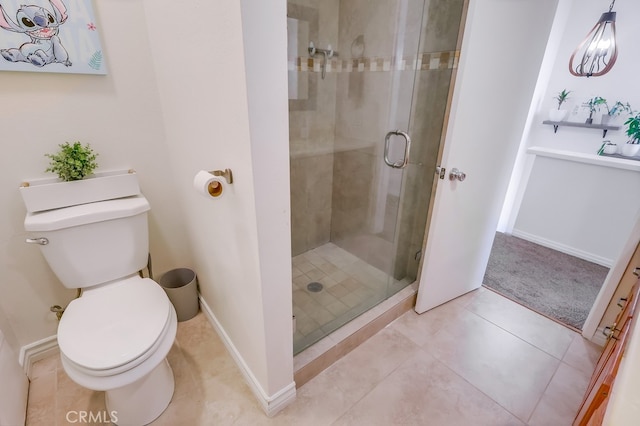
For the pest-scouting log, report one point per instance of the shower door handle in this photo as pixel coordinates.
(400, 164)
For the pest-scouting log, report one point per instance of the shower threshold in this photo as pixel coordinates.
(317, 357)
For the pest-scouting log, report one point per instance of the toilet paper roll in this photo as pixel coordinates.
(208, 185)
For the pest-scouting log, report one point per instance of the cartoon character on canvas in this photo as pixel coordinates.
(42, 27)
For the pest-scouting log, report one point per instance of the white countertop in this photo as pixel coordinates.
(579, 157)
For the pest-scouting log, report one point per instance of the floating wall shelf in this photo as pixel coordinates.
(603, 127)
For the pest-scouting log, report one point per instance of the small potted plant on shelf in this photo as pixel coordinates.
(593, 105)
(615, 111)
(558, 114)
(632, 147)
(77, 183)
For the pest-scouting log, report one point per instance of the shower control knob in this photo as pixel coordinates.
(456, 174)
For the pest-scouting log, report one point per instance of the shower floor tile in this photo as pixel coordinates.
(350, 287)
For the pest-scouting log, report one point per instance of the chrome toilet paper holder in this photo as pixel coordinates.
(226, 173)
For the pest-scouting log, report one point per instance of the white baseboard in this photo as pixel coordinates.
(36, 351)
(271, 404)
(603, 261)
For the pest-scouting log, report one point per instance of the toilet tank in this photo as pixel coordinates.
(94, 243)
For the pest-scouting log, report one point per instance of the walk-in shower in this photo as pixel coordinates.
(365, 129)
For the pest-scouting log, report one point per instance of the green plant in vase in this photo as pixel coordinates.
(633, 128)
(632, 147)
(616, 110)
(562, 97)
(72, 161)
(594, 105)
(559, 113)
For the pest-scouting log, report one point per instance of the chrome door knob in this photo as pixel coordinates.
(456, 174)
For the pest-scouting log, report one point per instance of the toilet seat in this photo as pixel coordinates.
(115, 327)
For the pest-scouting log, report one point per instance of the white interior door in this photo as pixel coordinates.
(502, 50)
(14, 389)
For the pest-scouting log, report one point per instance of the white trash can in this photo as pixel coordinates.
(181, 286)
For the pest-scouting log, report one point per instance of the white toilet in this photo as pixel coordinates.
(116, 336)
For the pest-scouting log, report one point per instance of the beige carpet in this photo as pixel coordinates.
(557, 285)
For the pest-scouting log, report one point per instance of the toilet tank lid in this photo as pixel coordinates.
(83, 214)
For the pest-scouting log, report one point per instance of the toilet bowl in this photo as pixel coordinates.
(116, 336)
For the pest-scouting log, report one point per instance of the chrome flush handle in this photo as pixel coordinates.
(41, 241)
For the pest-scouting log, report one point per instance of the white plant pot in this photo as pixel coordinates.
(53, 193)
(557, 114)
(630, 150)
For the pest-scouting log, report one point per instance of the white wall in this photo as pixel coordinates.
(15, 387)
(526, 213)
(582, 209)
(265, 40)
(222, 112)
(618, 84)
(119, 114)
(6, 329)
(196, 115)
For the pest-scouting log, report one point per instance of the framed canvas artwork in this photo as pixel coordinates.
(50, 36)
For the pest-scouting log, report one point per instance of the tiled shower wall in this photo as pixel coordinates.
(336, 147)
(311, 129)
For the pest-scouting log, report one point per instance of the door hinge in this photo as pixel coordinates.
(441, 172)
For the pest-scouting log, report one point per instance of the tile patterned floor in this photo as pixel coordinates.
(351, 286)
(478, 360)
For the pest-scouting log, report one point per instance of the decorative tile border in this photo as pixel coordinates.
(425, 61)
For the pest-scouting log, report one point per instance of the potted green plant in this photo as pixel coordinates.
(593, 105)
(77, 181)
(632, 147)
(72, 162)
(615, 111)
(558, 114)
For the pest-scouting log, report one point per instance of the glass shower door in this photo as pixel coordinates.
(438, 55)
(364, 125)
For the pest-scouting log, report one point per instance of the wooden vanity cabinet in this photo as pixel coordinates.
(596, 397)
